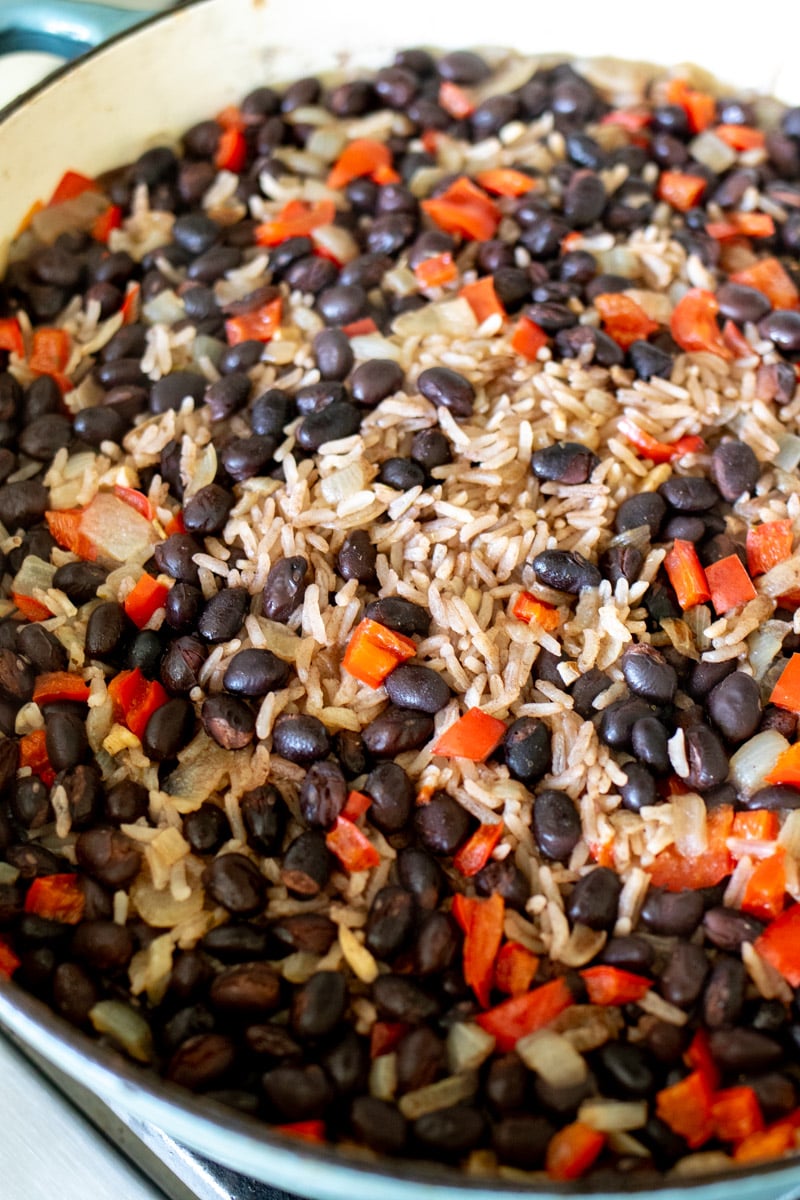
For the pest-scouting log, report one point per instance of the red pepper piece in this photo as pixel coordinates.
(298, 218)
(700, 107)
(527, 608)
(106, 222)
(528, 339)
(231, 152)
(33, 609)
(612, 985)
(729, 584)
(757, 824)
(60, 685)
(740, 137)
(33, 754)
(473, 736)
(357, 804)
(306, 1131)
(786, 692)
(698, 1056)
(477, 849)
(261, 325)
(147, 597)
(135, 699)
(455, 100)
(686, 1108)
(482, 938)
(483, 299)
(693, 323)
(131, 303)
(352, 847)
(175, 524)
(436, 271)
(686, 575)
(652, 448)
(572, 1150)
(765, 894)
(763, 1147)
(464, 208)
(787, 768)
(680, 190)
(625, 321)
(521, 1015)
(57, 898)
(515, 969)
(736, 1114)
(768, 545)
(360, 328)
(505, 181)
(136, 499)
(676, 873)
(363, 156)
(51, 350)
(11, 336)
(779, 944)
(735, 340)
(8, 960)
(71, 185)
(374, 651)
(744, 225)
(770, 277)
(65, 526)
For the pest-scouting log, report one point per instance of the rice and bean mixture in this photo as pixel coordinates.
(399, 656)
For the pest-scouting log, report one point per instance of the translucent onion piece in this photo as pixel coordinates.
(553, 1057)
(34, 573)
(764, 646)
(689, 824)
(609, 1116)
(468, 1046)
(161, 909)
(788, 455)
(164, 309)
(712, 152)
(755, 759)
(452, 317)
(343, 484)
(125, 1026)
(117, 530)
(444, 1094)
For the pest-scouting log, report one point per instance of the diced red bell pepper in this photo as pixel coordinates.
(678, 873)
(374, 651)
(352, 847)
(652, 448)
(455, 100)
(482, 937)
(625, 321)
(505, 181)
(132, 303)
(51, 350)
(363, 156)
(787, 767)
(385, 1035)
(483, 299)
(136, 499)
(297, 218)
(736, 1114)
(231, 117)
(175, 524)
(57, 898)
(65, 526)
(261, 325)
(729, 584)
(11, 336)
(360, 328)
(680, 190)
(436, 271)
(135, 699)
(476, 851)
(743, 225)
(55, 686)
(572, 1150)
(521, 1015)
(528, 338)
(770, 277)
(147, 596)
(515, 969)
(473, 736)
(698, 1056)
(786, 692)
(767, 1145)
(105, 222)
(464, 208)
(527, 608)
(740, 137)
(779, 944)
(31, 608)
(700, 107)
(765, 893)
(231, 153)
(33, 754)
(686, 1108)
(757, 824)
(686, 575)
(633, 120)
(357, 804)
(306, 1131)
(71, 185)
(735, 340)
(693, 324)
(8, 960)
(612, 985)
(768, 545)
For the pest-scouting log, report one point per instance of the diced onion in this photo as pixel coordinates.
(443, 1094)
(326, 143)
(553, 1057)
(468, 1046)
(689, 824)
(611, 1116)
(789, 836)
(207, 347)
(343, 484)
(165, 308)
(755, 759)
(337, 241)
(34, 573)
(125, 1026)
(374, 345)
(764, 646)
(160, 909)
(117, 530)
(703, 1163)
(78, 213)
(452, 317)
(383, 1077)
(712, 152)
(8, 874)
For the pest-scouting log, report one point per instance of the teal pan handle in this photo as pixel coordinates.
(64, 27)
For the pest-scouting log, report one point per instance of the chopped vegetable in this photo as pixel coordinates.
(686, 575)
(686, 1108)
(765, 893)
(261, 325)
(659, 452)
(107, 528)
(65, 526)
(515, 969)
(779, 944)
(624, 320)
(700, 107)
(357, 804)
(464, 208)
(735, 1114)
(136, 500)
(145, 599)
(374, 651)
(680, 190)
(735, 340)
(455, 100)
(505, 181)
(231, 154)
(521, 1015)
(385, 1035)
(572, 1150)
(132, 303)
(105, 222)
(297, 218)
(786, 692)
(482, 922)
(363, 156)
(729, 584)
(477, 849)
(786, 769)
(57, 898)
(70, 185)
(360, 328)
(55, 686)
(135, 699)
(742, 224)
(612, 985)
(632, 120)
(436, 271)
(33, 754)
(352, 847)
(677, 872)
(768, 545)
(528, 338)
(769, 276)
(8, 960)
(482, 299)
(473, 736)
(306, 1131)
(51, 350)
(760, 1147)
(693, 324)
(698, 1056)
(11, 336)
(757, 824)
(31, 608)
(740, 137)
(527, 608)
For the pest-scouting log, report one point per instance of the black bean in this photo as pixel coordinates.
(202, 1061)
(734, 706)
(170, 391)
(306, 864)
(23, 504)
(734, 469)
(168, 729)
(65, 738)
(98, 425)
(29, 802)
(505, 878)
(401, 474)
(400, 999)
(236, 883)
(145, 653)
(526, 749)
(227, 395)
(639, 789)
(316, 396)
(648, 674)
(318, 1006)
(126, 802)
(44, 437)
(84, 793)
(689, 493)
(9, 760)
(776, 1094)
(449, 1131)
(645, 508)
(723, 998)
(357, 557)
(79, 581)
(229, 721)
(195, 233)
(564, 462)
(584, 199)
(687, 528)
(246, 990)
(436, 944)
(615, 727)
(298, 1093)
(705, 676)
(420, 1059)
(224, 614)
(206, 828)
(671, 913)
(103, 945)
(594, 899)
(17, 677)
(565, 571)
(775, 798)
(323, 794)
(240, 357)
(33, 860)
(74, 993)
(337, 420)
(447, 388)
(213, 264)
(255, 672)
(390, 921)
(183, 606)
(684, 975)
(442, 824)
(342, 303)
(506, 1084)
(741, 1050)
(521, 1140)
(740, 303)
(621, 562)
(181, 665)
(625, 1071)
(311, 275)
(586, 689)
(630, 953)
(417, 687)
(333, 354)
(421, 875)
(207, 510)
(727, 928)
(301, 738)
(396, 730)
(708, 761)
(782, 327)
(403, 616)
(374, 380)
(556, 824)
(378, 1124)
